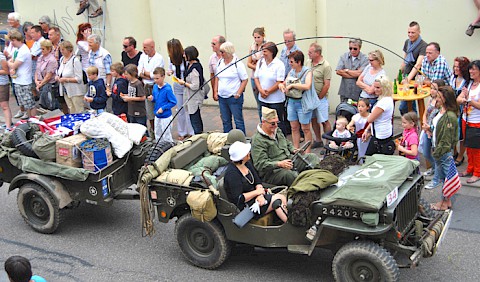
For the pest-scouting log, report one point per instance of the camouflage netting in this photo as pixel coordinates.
(299, 214)
(334, 163)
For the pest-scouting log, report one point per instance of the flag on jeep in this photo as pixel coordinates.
(452, 181)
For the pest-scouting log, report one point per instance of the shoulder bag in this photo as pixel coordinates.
(294, 92)
(472, 134)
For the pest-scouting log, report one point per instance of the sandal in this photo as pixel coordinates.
(459, 163)
(473, 179)
(464, 174)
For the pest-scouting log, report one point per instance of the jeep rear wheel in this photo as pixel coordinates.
(38, 208)
(364, 261)
(204, 244)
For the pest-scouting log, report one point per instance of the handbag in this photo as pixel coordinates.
(310, 100)
(243, 217)
(472, 135)
(47, 98)
(293, 92)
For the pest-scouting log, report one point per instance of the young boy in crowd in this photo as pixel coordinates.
(119, 86)
(96, 91)
(135, 96)
(164, 100)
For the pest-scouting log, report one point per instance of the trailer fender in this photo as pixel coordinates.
(53, 186)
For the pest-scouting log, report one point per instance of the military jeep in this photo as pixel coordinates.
(383, 226)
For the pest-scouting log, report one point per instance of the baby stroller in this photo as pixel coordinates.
(345, 147)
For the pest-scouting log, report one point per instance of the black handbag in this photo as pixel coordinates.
(472, 136)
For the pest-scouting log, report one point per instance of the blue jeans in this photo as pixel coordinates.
(197, 123)
(403, 108)
(441, 168)
(228, 107)
(280, 108)
(427, 149)
(255, 94)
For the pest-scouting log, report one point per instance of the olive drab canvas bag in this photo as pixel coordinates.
(202, 205)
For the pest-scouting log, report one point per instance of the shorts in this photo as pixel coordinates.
(295, 112)
(25, 96)
(321, 113)
(4, 93)
(149, 106)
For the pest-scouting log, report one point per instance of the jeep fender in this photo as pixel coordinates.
(53, 186)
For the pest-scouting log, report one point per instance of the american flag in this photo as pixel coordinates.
(452, 181)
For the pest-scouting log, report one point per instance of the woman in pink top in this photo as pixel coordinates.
(45, 76)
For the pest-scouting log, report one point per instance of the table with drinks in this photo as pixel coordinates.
(412, 92)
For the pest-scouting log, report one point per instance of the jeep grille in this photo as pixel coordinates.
(406, 211)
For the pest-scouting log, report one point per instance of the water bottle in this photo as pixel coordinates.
(313, 230)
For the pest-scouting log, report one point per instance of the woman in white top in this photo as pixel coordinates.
(381, 119)
(70, 77)
(84, 31)
(369, 74)
(470, 99)
(231, 80)
(258, 40)
(458, 81)
(269, 73)
(177, 67)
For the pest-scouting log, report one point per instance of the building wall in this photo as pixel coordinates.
(195, 22)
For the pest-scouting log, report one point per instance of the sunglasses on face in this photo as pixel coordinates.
(371, 60)
(213, 43)
(353, 48)
(273, 123)
(125, 46)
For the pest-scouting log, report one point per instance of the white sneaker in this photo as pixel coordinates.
(428, 172)
(25, 116)
(19, 114)
(430, 185)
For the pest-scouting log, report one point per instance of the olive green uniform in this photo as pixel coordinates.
(267, 152)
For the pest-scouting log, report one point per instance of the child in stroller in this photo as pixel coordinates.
(341, 141)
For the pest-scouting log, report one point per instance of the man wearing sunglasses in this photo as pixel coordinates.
(130, 54)
(350, 67)
(272, 152)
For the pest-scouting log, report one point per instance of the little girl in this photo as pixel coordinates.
(359, 123)
(408, 146)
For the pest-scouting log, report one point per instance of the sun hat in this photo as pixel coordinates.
(239, 150)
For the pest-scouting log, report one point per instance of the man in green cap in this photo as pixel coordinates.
(272, 153)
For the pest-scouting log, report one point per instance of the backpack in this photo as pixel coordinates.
(202, 205)
(84, 74)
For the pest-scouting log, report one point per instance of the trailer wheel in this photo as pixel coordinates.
(38, 208)
(364, 261)
(204, 244)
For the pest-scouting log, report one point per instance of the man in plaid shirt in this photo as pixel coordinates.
(434, 65)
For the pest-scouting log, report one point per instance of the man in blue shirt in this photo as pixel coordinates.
(434, 65)
(290, 46)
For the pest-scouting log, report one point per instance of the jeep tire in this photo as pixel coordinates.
(204, 244)
(38, 208)
(364, 261)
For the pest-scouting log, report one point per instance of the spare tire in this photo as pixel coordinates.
(156, 151)
(21, 138)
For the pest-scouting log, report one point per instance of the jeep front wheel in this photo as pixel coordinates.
(364, 261)
(38, 208)
(204, 244)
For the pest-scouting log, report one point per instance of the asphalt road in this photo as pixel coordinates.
(105, 244)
